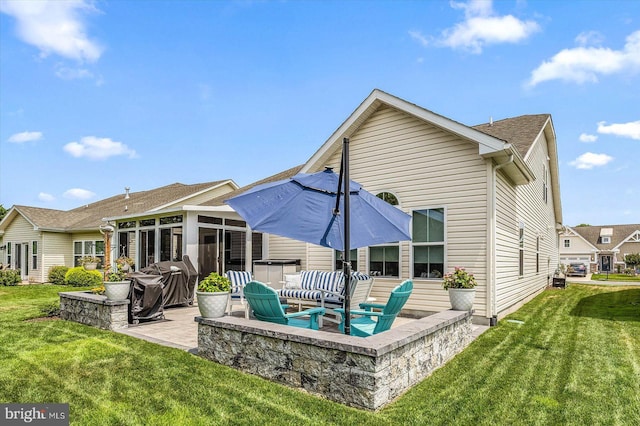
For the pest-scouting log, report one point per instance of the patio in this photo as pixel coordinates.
(179, 330)
(366, 373)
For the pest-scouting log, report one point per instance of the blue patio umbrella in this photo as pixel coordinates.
(310, 208)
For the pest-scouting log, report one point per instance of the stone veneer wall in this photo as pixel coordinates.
(365, 373)
(94, 310)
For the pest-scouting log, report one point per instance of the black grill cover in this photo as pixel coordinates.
(146, 297)
(178, 280)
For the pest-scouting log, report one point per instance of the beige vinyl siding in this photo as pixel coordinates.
(20, 231)
(320, 258)
(57, 250)
(424, 167)
(539, 220)
(286, 248)
(576, 245)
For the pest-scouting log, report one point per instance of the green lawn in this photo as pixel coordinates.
(574, 360)
(614, 277)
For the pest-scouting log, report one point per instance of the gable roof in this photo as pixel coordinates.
(520, 131)
(488, 145)
(89, 217)
(619, 235)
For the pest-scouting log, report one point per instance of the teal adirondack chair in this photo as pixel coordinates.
(265, 303)
(372, 322)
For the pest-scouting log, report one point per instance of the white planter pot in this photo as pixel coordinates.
(212, 305)
(90, 266)
(462, 298)
(117, 290)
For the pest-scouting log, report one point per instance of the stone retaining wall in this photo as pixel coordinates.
(94, 310)
(365, 373)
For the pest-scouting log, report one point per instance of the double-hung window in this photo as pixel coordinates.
(384, 261)
(428, 243)
(521, 249)
(34, 255)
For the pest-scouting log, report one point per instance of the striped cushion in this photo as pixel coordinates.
(238, 280)
(299, 294)
(308, 280)
(330, 281)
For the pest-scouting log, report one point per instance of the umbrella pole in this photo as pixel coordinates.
(347, 238)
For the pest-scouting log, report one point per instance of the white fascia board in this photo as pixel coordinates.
(224, 209)
(486, 144)
(518, 171)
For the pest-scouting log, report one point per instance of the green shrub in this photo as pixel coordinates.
(80, 277)
(57, 274)
(10, 277)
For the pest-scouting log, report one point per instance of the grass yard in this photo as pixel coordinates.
(615, 277)
(572, 358)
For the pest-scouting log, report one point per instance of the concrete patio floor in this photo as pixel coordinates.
(179, 330)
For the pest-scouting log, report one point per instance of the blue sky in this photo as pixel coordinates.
(96, 96)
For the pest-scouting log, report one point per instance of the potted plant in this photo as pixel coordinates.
(125, 262)
(116, 284)
(461, 287)
(89, 262)
(213, 295)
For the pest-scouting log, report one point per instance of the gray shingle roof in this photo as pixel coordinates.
(90, 216)
(620, 232)
(280, 176)
(520, 131)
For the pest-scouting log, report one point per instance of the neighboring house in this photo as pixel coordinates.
(601, 248)
(485, 198)
(35, 239)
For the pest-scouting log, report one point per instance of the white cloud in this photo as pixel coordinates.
(585, 64)
(96, 148)
(66, 73)
(589, 160)
(625, 130)
(481, 27)
(584, 137)
(419, 37)
(55, 27)
(589, 38)
(43, 196)
(78, 194)
(25, 137)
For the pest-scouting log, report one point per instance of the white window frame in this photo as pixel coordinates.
(412, 244)
(545, 186)
(606, 240)
(91, 252)
(34, 254)
(396, 245)
(567, 243)
(521, 241)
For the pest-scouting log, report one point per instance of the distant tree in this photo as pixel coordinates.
(632, 260)
(3, 211)
(582, 224)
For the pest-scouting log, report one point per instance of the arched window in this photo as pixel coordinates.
(388, 197)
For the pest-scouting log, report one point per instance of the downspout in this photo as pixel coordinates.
(491, 291)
